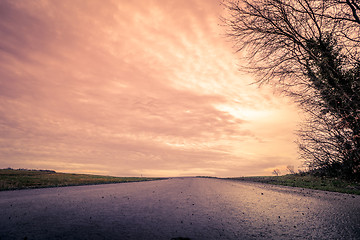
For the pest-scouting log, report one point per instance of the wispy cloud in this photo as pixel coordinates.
(132, 87)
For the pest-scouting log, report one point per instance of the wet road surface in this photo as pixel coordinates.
(193, 208)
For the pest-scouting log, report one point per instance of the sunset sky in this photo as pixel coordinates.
(134, 87)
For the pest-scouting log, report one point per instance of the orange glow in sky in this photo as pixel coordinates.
(130, 88)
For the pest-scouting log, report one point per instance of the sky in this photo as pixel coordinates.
(134, 88)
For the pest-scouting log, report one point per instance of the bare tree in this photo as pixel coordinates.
(290, 169)
(276, 172)
(310, 50)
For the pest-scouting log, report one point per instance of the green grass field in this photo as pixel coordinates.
(308, 181)
(11, 179)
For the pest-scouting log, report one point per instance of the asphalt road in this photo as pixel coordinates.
(191, 208)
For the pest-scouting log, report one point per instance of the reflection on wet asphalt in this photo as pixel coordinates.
(178, 208)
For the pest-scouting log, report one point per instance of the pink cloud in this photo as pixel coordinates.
(129, 87)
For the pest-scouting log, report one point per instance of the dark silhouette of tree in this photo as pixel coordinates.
(290, 169)
(310, 50)
(276, 172)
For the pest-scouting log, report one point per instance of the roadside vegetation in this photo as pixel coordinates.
(11, 179)
(308, 181)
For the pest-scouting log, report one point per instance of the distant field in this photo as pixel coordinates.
(11, 179)
(308, 181)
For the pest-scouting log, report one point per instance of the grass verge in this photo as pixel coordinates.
(11, 179)
(308, 181)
